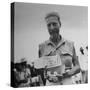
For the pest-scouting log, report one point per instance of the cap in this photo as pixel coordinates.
(52, 17)
(52, 14)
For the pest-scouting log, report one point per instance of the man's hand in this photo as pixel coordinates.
(53, 79)
(66, 75)
(60, 77)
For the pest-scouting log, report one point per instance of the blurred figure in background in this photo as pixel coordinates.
(22, 73)
(83, 60)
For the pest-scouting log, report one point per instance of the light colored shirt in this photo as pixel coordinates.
(66, 51)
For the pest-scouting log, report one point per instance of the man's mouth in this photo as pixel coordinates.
(55, 31)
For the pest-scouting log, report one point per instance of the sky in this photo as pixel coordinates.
(31, 30)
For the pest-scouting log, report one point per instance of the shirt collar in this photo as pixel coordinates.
(62, 41)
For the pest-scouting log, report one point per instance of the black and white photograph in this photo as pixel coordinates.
(49, 44)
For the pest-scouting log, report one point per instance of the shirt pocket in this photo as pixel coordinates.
(66, 53)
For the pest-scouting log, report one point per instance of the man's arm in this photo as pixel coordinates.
(76, 67)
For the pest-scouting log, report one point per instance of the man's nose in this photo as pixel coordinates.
(52, 27)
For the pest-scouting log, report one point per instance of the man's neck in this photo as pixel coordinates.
(56, 40)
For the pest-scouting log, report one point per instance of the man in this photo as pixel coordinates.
(57, 45)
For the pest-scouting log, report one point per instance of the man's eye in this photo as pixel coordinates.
(54, 24)
(49, 25)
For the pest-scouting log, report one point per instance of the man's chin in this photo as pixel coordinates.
(54, 36)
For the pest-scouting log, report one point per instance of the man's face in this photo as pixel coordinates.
(53, 26)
